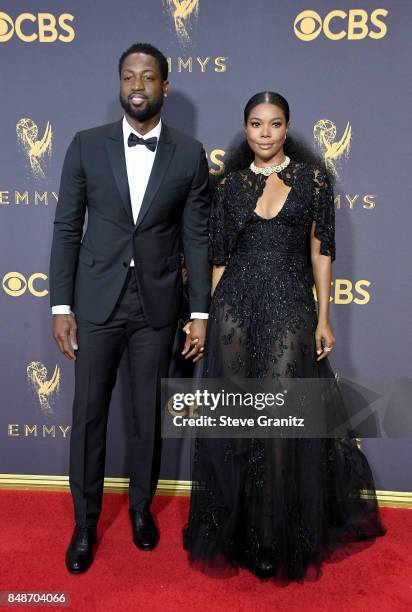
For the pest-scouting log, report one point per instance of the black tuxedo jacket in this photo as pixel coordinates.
(89, 273)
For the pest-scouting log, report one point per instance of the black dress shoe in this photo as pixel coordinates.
(145, 531)
(79, 555)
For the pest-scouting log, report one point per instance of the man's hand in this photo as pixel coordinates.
(65, 327)
(195, 339)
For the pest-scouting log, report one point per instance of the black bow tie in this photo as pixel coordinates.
(150, 143)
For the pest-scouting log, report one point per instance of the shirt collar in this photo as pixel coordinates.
(127, 130)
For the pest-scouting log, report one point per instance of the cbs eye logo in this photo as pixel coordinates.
(43, 27)
(15, 284)
(352, 25)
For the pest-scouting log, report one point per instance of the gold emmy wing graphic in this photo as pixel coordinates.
(182, 11)
(44, 387)
(35, 149)
(324, 133)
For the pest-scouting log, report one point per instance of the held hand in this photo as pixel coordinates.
(195, 339)
(325, 340)
(65, 327)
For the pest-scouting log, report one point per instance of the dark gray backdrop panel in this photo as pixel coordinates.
(74, 86)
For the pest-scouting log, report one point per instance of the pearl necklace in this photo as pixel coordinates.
(267, 170)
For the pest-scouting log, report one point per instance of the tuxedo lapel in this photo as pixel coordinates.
(115, 151)
(164, 153)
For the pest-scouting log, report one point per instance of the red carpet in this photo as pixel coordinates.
(36, 528)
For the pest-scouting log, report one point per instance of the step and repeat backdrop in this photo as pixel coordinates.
(344, 69)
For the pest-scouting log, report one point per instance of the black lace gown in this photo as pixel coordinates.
(277, 507)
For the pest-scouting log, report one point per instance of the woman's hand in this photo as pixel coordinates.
(325, 340)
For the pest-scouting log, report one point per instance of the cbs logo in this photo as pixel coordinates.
(344, 291)
(43, 27)
(15, 284)
(339, 24)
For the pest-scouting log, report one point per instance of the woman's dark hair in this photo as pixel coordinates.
(267, 97)
(240, 155)
(148, 49)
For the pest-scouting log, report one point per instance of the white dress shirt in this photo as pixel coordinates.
(139, 163)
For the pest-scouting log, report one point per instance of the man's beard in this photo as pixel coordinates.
(151, 109)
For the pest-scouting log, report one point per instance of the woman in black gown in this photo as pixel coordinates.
(277, 507)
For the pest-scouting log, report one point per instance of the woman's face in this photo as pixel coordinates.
(266, 129)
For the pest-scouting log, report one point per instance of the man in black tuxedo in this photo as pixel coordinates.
(145, 187)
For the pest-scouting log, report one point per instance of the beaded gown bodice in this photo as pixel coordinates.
(264, 302)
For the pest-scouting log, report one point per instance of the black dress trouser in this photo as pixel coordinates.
(98, 357)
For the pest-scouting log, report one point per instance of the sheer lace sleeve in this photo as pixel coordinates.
(218, 222)
(324, 212)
